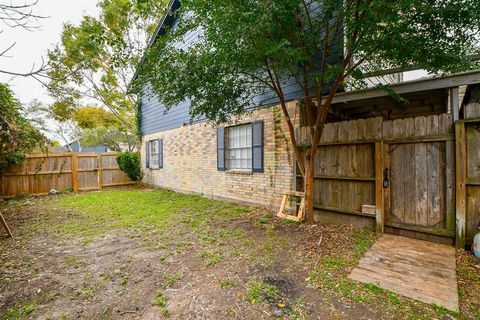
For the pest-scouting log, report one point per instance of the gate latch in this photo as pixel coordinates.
(386, 183)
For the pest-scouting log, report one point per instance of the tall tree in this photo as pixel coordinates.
(99, 126)
(248, 47)
(17, 135)
(54, 120)
(89, 125)
(95, 60)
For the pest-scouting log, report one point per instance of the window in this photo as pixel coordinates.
(155, 154)
(239, 147)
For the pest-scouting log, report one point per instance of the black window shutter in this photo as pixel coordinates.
(160, 153)
(257, 146)
(147, 154)
(221, 149)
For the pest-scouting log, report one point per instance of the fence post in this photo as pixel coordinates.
(460, 183)
(100, 172)
(74, 164)
(379, 198)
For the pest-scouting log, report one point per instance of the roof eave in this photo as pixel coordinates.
(172, 5)
(450, 81)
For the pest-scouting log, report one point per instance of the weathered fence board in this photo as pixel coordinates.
(467, 176)
(417, 181)
(472, 216)
(345, 175)
(62, 171)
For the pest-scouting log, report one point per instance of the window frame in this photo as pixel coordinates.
(245, 145)
(153, 160)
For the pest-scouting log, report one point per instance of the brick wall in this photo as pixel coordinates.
(190, 161)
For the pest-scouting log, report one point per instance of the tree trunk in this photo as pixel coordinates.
(309, 187)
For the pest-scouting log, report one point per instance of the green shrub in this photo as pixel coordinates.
(129, 162)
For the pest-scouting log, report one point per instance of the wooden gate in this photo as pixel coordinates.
(415, 182)
(88, 172)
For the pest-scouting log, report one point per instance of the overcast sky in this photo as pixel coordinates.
(32, 45)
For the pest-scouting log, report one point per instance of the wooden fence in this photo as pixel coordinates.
(40, 173)
(467, 179)
(413, 156)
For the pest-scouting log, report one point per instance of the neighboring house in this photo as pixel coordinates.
(76, 147)
(398, 157)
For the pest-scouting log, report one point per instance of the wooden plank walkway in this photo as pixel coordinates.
(416, 269)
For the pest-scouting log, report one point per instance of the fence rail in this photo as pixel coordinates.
(40, 173)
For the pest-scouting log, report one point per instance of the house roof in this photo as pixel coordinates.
(167, 20)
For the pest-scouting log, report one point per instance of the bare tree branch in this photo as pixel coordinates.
(21, 15)
(2, 54)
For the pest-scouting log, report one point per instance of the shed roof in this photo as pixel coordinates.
(425, 84)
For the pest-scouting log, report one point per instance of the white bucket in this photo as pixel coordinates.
(476, 245)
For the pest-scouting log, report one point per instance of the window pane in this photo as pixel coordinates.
(243, 138)
(153, 147)
(154, 153)
(239, 153)
(244, 164)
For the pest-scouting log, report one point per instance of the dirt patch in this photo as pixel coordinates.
(96, 257)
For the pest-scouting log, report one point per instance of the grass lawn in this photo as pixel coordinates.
(149, 254)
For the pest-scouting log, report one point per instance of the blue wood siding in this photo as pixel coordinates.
(155, 119)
